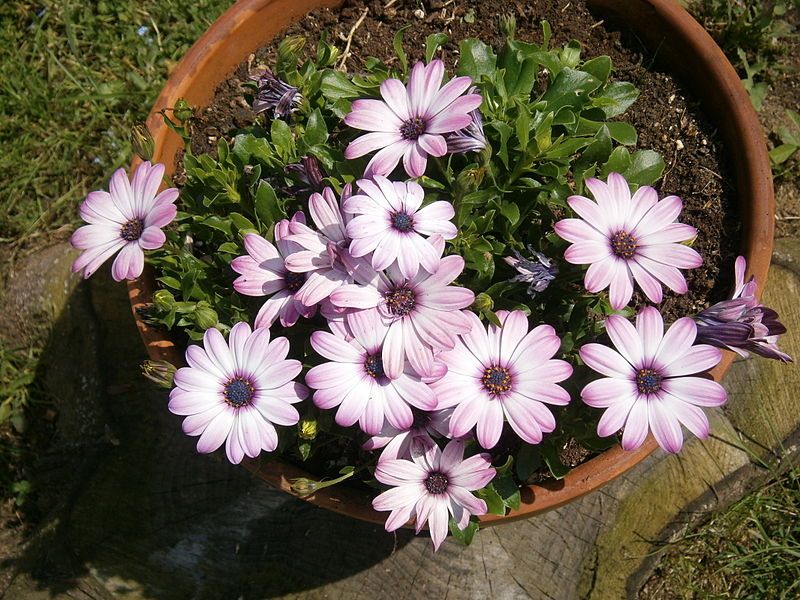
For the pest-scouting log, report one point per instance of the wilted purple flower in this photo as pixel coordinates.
(396, 443)
(433, 486)
(126, 219)
(742, 323)
(626, 238)
(538, 272)
(471, 137)
(653, 380)
(272, 93)
(410, 122)
(309, 172)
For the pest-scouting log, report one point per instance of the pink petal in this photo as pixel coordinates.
(448, 94)
(161, 216)
(696, 390)
(466, 415)
(399, 472)
(373, 115)
(99, 209)
(451, 119)
(598, 275)
(586, 252)
(353, 404)
(606, 361)
(668, 275)
(676, 255)
(370, 142)
(435, 145)
(649, 284)
(658, 217)
(637, 425)
(92, 236)
(643, 200)
(621, 290)
(625, 338)
(152, 238)
(697, 359)
(474, 473)
(215, 432)
(591, 213)
(129, 262)
(676, 342)
(415, 160)
(334, 348)
(578, 230)
(403, 495)
(384, 162)
(605, 392)
(490, 424)
(689, 415)
(523, 421)
(650, 326)
(219, 352)
(121, 192)
(394, 94)
(437, 523)
(665, 427)
(393, 353)
(672, 233)
(423, 84)
(614, 417)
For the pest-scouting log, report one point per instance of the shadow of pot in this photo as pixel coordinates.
(680, 44)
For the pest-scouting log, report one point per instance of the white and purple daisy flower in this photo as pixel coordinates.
(272, 93)
(432, 486)
(236, 392)
(390, 224)
(409, 123)
(321, 258)
(505, 372)
(355, 380)
(627, 238)
(471, 138)
(423, 313)
(263, 273)
(126, 219)
(653, 380)
(742, 324)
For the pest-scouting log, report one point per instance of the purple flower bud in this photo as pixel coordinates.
(742, 324)
(538, 272)
(309, 172)
(272, 93)
(471, 138)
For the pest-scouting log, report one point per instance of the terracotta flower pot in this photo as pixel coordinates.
(662, 24)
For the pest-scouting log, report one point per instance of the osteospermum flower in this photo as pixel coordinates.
(355, 381)
(503, 372)
(396, 443)
(272, 93)
(653, 380)
(423, 313)
(236, 392)
(263, 273)
(537, 272)
(321, 258)
(742, 324)
(627, 238)
(126, 219)
(390, 224)
(471, 138)
(432, 486)
(410, 122)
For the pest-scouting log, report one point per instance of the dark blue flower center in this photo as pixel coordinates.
(239, 392)
(400, 301)
(496, 380)
(436, 483)
(623, 244)
(402, 222)
(374, 366)
(132, 230)
(412, 129)
(648, 381)
(294, 281)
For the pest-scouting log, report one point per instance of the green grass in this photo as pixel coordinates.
(74, 77)
(751, 550)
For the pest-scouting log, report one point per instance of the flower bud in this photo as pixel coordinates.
(182, 110)
(142, 141)
(483, 301)
(159, 372)
(508, 25)
(290, 47)
(307, 429)
(163, 300)
(205, 316)
(303, 486)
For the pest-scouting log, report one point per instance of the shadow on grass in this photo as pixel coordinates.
(129, 507)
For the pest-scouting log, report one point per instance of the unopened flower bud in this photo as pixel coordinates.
(508, 25)
(159, 372)
(182, 110)
(470, 180)
(307, 429)
(303, 486)
(290, 47)
(205, 316)
(483, 301)
(142, 141)
(163, 300)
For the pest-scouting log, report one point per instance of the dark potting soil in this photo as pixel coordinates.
(666, 116)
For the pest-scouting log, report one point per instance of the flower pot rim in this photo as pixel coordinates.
(212, 58)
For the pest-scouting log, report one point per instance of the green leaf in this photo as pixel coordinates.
(397, 42)
(645, 168)
(616, 98)
(505, 132)
(599, 67)
(571, 54)
(268, 210)
(464, 536)
(529, 461)
(781, 154)
(476, 59)
(432, 44)
(494, 502)
(305, 450)
(316, 130)
(550, 455)
(283, 139)
(622, 132)
(570, 88)
(242, 223)
(618, 162)
(508, 490)
(336, 86)
(510, 211)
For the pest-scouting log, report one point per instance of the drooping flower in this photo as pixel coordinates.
(272, 93)
(126, 219)
(627, 238)
(323, 253)
(263, 273)
(742, 323)
(423, 313)
(538, 271)
(355, 381)
(309, 172)
(390, 224)
(507, 372)
(396, 443)
(471, 138)
(433, 486)
(236, 392)
(409, 123)
(653, 380)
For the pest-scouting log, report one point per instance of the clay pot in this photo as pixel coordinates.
(683, 46)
